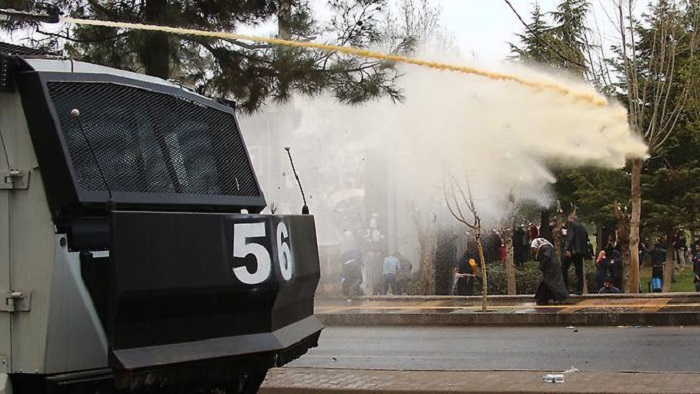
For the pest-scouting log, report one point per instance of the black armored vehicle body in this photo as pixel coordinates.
(133, 255)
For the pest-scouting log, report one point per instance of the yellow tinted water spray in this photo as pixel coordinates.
(587, 97)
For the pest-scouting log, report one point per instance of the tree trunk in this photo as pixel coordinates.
(154, 50)
(623, 240)
(632, 285)
(427, 240)
(556, 236)
(545, 226)
(428, 245)
(507, 235)
(484, 284)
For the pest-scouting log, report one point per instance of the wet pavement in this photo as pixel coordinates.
(619, 310)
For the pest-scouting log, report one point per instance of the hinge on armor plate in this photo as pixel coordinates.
(14, 179)
(16, 301)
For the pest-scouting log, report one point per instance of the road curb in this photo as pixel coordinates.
(512, 319)
(648, 309)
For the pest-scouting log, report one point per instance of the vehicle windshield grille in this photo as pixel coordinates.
(149, 142)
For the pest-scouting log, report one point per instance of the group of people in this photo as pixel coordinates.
(608, 266)
(522, 238)
(396, 274)
(554, 285)
(395, 279)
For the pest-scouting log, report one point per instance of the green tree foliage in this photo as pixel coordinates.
(570, 30)
(250, 73)
(594, 191)
(535, 42)
(556, 39)
(669, 119)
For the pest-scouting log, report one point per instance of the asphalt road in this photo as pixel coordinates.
(620, 349)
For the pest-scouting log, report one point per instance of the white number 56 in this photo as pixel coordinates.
(244, 246)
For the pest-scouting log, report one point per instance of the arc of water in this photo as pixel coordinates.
(587, 97)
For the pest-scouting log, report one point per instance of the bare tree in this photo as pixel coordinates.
(655, 99)
(460, 202)
(427, 239)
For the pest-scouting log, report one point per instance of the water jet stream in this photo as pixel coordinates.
(587, 97)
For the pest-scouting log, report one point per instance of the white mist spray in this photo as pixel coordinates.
(495, 133)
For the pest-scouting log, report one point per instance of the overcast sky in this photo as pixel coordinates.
(482, 28)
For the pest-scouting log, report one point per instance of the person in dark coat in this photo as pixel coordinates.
(465, 272)
(658, 260)
(576, 249)
(552, 286)
(519, 250)
(351, 274)
(696, 267)
(615, 268)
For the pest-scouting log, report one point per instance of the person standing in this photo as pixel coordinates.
(390, 268)
(564, 257)
(658, 260)
(552, 285)
(403, 276)
(519, 248)
(615, 268)
(576, 249)
(601, 269)
(533, 232)
(696, 267)
(680, 245)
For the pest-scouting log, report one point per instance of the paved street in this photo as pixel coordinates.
(645, 349)
(385, 345)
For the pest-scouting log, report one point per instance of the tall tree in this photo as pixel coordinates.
(248, 72)
(571, 31)
(536, 42)
(556, 39)
(655, 53)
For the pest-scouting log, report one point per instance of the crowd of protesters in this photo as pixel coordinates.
(533, 243)
(530, 242)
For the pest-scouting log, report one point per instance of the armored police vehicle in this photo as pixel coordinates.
(133, 255)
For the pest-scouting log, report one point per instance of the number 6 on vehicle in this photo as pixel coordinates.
(243, 245)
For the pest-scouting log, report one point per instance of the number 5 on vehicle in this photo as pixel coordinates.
(252, 239)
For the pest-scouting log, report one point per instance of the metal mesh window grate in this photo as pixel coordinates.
(148, 142)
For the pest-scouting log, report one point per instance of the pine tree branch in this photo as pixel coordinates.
(72, 39)
(249, 46)
(104, 10)
(542, 40)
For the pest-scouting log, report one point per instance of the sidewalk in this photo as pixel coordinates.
(344, 381)
(655, 309)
